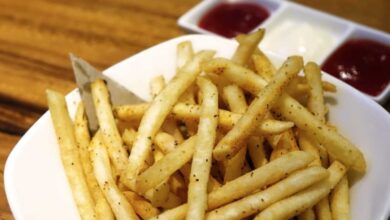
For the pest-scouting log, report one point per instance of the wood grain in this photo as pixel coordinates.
(37, 36)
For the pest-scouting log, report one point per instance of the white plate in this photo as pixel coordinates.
(37, 188)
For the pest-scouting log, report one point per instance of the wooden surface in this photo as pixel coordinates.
(36, 37)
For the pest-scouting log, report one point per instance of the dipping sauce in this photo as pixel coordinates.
(362, 63)
(231, 19)
(294, 36)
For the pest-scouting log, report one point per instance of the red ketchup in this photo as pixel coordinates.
(362, 63)
(231, 19)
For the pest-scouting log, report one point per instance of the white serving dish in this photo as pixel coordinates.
(342, 29)
(37, 188)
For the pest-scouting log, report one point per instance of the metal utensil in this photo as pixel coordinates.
(85, 74)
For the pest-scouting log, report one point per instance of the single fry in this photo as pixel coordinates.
(230, 144)
(338, 146)
(128, 137)
(102, 170)
(322, 209)
(263, 66)
(247, 45)
(256, 202)
(315, 102)
(156, 114)
(201, 161)
(102, 208)
(339, 200)
(235, 99)
(110, 133)
(69, 154)
(256, 151)
(305, 199)
(156, 85)
(141, 206)
(188, 112)
(165, 167)
(184, 53)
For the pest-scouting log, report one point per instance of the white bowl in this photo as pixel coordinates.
(37, 188)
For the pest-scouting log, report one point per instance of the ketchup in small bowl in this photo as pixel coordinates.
(362, 63)
(231, 19)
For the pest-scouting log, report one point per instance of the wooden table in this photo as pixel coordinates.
(36, 37)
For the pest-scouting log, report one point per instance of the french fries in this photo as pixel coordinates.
(102, 170)
(259, 129)
(201, 161)
(155, 115)
(63, 127)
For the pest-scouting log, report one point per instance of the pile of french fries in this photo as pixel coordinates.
(224, 139)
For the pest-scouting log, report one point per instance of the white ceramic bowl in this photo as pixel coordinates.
(37, 188)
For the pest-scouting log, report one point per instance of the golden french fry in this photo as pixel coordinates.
(247, 45)
(128, 137)
(235, 99)
(184, 54)
(102, 208)
(159, 194)
(315, 102)
(263, 66)
(141, 206)
(70, 155)
(156, 114)
(308, 214)
(337, 145)
(201, 161)
(170, 127)
(339, 200)
(305, 199)
(188, 112)
(266, 175)
(165, 167)
(230, 144)
(306, 145)
(156, 84)
(322, 209)
(241, 76)
(286, 143)
(256, 151)
(256, 202)
(102, 170)
(110, 133)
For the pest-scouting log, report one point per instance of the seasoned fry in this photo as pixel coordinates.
(165, 167)
(128, 137)
(307, 198)
(201, 162)
(229, 145)
(69, 154)
(263, 66)
(235, 99)
(102, 208)
(159, 194)
(141, 206)
(338, 146)
(339, 200)
(156, 114)
(181, 111)
(156, 85)
(256, 179)
(315, 102)
(256, 202)
(102, 170)
(256, 151)
(110, 133)
(247, 45)
(285, 144)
